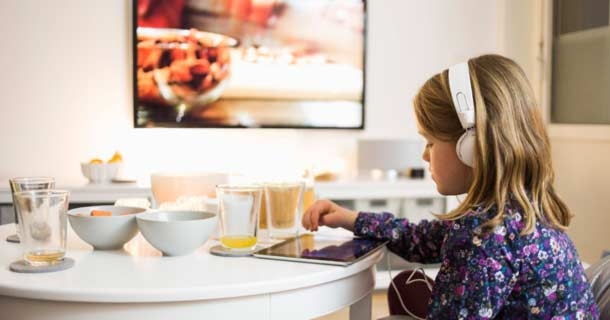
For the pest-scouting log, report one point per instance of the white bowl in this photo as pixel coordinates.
(100, 172)
(176, 233)
(105, 232)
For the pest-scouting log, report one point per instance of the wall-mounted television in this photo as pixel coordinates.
(249, 63)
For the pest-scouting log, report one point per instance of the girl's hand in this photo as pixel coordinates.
(328, 213)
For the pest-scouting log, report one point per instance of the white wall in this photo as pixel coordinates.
(66, 90)
(583, 180)
(522, 32)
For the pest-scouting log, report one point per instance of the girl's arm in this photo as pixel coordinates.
(420, 242)
(414, 242)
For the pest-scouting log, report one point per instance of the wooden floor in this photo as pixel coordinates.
(380, 308)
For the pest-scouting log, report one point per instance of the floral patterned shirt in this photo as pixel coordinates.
(501, 274)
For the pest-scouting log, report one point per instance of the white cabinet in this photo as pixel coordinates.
(412, 199)
(417, 209)
(393, 205)
(407, 198)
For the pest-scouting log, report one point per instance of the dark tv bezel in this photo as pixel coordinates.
(134, 63)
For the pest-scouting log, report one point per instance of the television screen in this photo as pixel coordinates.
(249, 63)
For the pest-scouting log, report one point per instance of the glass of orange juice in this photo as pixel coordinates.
(238, 208)
(262, 222)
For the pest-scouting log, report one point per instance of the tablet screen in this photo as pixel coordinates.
(321, 249)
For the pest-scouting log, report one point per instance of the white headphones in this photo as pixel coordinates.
(463, 101)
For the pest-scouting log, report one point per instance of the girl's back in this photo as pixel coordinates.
(536, 275)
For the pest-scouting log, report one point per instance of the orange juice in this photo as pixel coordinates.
(44, 256)
(238, 242)
(309, 197)
(262, 222)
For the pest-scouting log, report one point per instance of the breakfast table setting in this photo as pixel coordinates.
(138, 282)
(150, 263)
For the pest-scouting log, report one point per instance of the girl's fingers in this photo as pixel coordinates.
(305, 219)
(313, 218)
(314, 213)
(308, 219)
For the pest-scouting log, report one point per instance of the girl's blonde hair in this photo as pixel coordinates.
(513, 156)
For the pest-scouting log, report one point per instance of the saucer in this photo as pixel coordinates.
(23, 267)
(219, 250)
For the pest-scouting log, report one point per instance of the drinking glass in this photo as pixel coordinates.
(238, 207)
(43, 225)
(284, 200)
(25, 184)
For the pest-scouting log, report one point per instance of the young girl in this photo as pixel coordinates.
(503, 251)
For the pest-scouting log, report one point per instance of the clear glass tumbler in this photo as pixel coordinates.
(43, 225)
(238, 208)
(25, 184)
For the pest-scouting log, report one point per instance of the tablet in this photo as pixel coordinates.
(321, 249)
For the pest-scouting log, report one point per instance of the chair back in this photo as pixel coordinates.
(599, 277)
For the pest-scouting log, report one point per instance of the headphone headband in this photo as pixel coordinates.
(461, 94)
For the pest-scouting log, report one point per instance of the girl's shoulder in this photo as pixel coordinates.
(509, 227)
(470, 233)
(510, 222)
(512, 214)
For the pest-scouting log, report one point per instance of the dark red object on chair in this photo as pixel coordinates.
(414, 292)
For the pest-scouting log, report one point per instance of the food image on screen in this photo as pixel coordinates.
(249, 63)
(181, 69)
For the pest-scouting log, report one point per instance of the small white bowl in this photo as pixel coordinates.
(176, 233)
(105, 232)
(100, 172)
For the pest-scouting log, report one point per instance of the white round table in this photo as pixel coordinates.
(138, 283)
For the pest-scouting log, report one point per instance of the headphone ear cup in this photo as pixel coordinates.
(465, 147)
